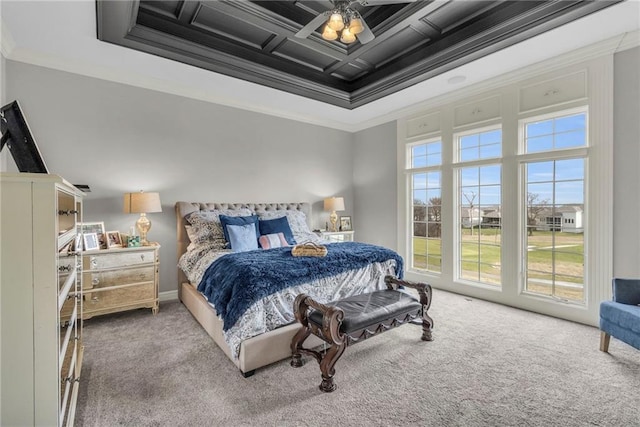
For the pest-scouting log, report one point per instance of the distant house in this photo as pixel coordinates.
(492, 218)
(470, 217)
(567, 218)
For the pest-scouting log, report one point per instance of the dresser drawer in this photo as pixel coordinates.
(117, 259)
(103, 279)
(66, 266)
(96, 300)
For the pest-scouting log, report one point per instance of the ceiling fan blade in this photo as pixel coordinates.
(311, 26)
(383, 2)
(366, 35)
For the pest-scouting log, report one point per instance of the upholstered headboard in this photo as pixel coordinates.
(185, 208)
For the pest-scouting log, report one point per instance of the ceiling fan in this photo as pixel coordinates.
(345, 23)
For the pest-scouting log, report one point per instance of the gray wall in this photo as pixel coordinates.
(119, 138)
(626, 161)
(374, 185)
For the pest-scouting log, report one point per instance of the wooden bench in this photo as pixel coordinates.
(356, 318)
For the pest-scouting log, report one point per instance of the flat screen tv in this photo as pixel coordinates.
(18, 137)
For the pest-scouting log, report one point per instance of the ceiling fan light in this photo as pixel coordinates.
(328, 33)
(355, 26)
(336, 22)
(347, 36)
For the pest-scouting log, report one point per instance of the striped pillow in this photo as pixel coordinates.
(276, 240)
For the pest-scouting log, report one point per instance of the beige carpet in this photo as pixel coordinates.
(489, 365)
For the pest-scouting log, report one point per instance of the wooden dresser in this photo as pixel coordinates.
(40, 277)
(120, 279)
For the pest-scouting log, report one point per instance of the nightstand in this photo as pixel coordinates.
(337, 236)
(120, 279)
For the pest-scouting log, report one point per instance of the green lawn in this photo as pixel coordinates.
(481, 257)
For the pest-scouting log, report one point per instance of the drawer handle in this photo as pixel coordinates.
(142, 257)
(67, 212)
(71, 380)
(95, 281)
(64, 268)
(76, 296)
(94, 261)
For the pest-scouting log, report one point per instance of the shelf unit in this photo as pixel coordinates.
(40, 278)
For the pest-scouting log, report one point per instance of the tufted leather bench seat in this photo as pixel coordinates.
(347, 321)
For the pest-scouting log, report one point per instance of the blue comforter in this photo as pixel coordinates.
(234, 282)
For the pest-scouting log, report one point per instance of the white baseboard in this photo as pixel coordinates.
(168, 295)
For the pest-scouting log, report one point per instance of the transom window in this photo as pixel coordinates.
(556, 133)
(481, 145)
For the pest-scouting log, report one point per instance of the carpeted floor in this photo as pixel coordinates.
(489, 365)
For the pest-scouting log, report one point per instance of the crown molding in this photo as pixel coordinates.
(86, 68)
(629, 41)
(597, 50)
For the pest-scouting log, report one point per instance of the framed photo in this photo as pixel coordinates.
(345, 223)
(94, 227)
(91, 242)
(114, 239)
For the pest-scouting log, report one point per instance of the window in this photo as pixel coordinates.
(554, 207)
(426, 190)
(556, 133)
(479, 207)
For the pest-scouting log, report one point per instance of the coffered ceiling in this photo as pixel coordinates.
(255, 40)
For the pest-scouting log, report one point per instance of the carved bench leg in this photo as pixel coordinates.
(296, 345)
(326, 367)
(427, 326)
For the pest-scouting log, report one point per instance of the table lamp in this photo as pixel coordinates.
(142, 203)
(334, 204)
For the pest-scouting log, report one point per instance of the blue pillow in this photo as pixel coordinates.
(278, 225)
(242, 237)
(226, 220)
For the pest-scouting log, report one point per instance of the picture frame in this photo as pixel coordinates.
(94, 227)
(91, 242)
(114, 239)
(345, 223)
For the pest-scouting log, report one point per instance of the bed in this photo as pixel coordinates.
(250, 352)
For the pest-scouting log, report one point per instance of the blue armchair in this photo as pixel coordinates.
(621, 317)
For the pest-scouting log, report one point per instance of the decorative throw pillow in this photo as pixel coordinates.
(269, 241)
(206, 226)
(277, 225)
(242, 237)
(227, 220)
(298, 224)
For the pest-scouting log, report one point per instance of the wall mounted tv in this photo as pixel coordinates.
(18, 137)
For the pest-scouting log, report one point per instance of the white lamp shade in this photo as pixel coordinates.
(336, 22)
(355, 26)
(329, 34)
(347, 37)
(334, 204)
(142, 202)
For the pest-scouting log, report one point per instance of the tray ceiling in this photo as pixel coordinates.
(254, 40)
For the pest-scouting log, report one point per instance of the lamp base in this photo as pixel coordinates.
(143, 225)
(334, 219)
